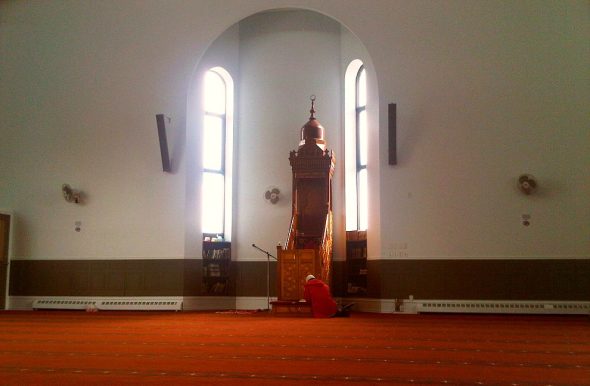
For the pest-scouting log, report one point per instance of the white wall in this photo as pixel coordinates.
(285, 57)
(81, 84)
(485, 91)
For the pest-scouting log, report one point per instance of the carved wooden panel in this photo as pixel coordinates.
(288, 276)
(312, 205)
(308, 265)
(294, 265)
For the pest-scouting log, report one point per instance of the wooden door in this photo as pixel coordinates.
(4, 238)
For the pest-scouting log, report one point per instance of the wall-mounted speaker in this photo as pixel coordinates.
(392, 126)
(161, 122)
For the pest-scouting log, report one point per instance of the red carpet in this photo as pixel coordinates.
(116, 348)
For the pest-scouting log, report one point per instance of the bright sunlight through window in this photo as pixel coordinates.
(356, 136)
(217, 150)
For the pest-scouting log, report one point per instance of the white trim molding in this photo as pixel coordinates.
(203, 303)
(206, 303)
(416, 306)
(253, 302)
(144, 303)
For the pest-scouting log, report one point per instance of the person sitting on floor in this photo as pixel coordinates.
(317, 293)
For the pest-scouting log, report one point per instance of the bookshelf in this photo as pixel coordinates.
(216, 267)
(356, 263)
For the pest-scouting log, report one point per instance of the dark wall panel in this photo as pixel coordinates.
(338, 284)
(251, 278)
(548, 279)
(96, 277)
(193, 276)
(524, 279)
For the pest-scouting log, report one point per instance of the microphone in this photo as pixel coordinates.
(263, 251)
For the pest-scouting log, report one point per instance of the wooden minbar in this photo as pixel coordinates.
(308, 248)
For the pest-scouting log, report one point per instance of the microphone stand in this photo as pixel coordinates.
(268, 256)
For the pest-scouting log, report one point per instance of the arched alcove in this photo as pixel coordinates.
(278, 58)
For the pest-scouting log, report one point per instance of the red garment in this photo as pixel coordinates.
(318, 294)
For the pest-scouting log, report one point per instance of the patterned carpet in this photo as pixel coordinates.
(197, 348)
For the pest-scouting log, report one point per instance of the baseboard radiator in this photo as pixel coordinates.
(107, 304)
(497, 306)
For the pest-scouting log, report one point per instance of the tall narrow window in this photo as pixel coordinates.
(361, 148)
(217, 153)
(356, 134)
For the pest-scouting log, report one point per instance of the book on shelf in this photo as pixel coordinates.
(356, 235)
(218, 287)
(214, 270)
(357, 253)
(216, 254)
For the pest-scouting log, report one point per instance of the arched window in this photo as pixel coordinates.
(356, 146)
(217, 150)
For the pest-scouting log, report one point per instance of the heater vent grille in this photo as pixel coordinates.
(140, 305)
(63, 304)
(98, 304)
(513, 307)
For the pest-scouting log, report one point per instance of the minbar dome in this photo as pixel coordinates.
(313, 131)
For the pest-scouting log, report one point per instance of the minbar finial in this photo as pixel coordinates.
(312, 132)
